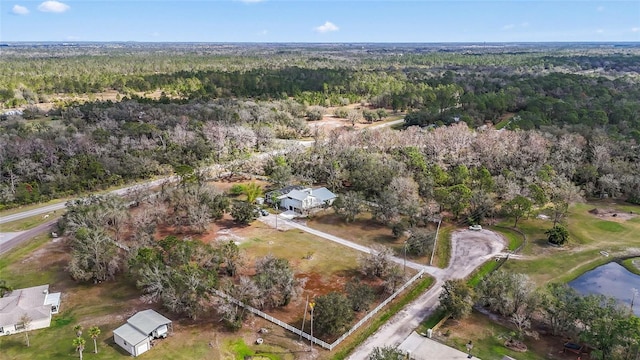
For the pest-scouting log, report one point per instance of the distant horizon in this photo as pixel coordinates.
(320, 43)
(321, 21)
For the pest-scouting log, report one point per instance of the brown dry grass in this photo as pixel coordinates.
(364, 231)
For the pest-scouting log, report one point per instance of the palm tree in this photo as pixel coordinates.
(78, 330)
(253, 191)
(94, 332)
(79, 344)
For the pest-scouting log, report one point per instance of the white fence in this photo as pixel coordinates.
(314, 339)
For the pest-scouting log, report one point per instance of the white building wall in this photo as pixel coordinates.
(287, 203)
(35, 325)
(142, 347)
(40, 324)
(120, 341)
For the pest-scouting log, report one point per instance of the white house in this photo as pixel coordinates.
(303, 200)
(36, 302)
(135, 336)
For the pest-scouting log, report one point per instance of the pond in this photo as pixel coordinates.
(611, 280)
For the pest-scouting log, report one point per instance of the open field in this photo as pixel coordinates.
(364, 230)
(107, 305)
(589, 234)
(325, 266)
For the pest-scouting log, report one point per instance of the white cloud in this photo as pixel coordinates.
(326, 27)
(525, 24)
(53, 6)
(19, 10)
(263, 33)
(600, 8)
(600, 31)
(508, 27)
(635, 29)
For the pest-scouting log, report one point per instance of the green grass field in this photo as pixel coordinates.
(306, 252)
(632, 265)
(589, 234)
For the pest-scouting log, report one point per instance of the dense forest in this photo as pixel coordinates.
(569, 112)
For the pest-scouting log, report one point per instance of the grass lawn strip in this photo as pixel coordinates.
(443, 247)
(633, 265)
(26, 223)
(363, 334)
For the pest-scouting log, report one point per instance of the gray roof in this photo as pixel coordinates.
(285, 190)
(323, 194)
(30, 301)
(147, 321)
(130, 334)
(298, 195)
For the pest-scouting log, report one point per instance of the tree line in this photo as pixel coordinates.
(597, 320)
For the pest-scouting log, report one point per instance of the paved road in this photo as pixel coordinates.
(422, 348)
(48, 226)
(62, 205)
(470, 249)
(30, 213)
(26, 235)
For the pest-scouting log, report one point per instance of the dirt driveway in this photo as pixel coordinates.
(470, 250)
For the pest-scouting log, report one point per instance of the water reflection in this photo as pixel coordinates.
(612, 280)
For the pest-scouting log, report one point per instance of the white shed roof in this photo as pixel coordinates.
(52, 299)
(147, 321)
(130, 334)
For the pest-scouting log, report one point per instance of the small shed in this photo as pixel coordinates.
(135, 336)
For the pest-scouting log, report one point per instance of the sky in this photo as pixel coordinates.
(423, 21)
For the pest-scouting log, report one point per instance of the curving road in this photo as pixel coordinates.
(470, 249)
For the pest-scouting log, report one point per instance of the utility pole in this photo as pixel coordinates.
(304, 317)
(312, 305)
(404, 266)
